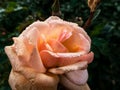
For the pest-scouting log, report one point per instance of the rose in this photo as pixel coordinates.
(43, 46)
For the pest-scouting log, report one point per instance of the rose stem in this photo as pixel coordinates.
(89, 20)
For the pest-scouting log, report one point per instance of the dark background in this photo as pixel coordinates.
(104, 31)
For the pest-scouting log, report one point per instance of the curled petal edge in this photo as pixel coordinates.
(51, 59)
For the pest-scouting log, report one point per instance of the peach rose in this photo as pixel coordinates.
(53, 46)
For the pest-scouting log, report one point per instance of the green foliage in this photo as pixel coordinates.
(104, 31)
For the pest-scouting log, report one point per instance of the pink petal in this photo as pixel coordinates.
(48, 59)
(77, 42)
(58, 29)
(43, 44)
(36, 62)
(72, 86)
(21, 48)
(41, 26)
(53, 20)
(14, 60)
(58, 32)
(69, 68)
(57, 46)
(80, 30)
(64, 36)
(78, 76)
(29, 55)
(51, 59)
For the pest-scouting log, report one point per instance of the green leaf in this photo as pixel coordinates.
(102, 46)
(13, 6)
(97, 13)
(2, 10)
(97, 29)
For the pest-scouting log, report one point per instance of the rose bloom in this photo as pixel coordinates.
(50, 44)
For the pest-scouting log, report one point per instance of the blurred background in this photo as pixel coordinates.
(16, 15)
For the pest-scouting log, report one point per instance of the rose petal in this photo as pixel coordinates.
(57, 46)
(41, 26)
(58, 30)
(48, 59)
(80, 30)
(21, 48)
(29, 56)
(64, 36)
(78, 76)
(14, 60)
(51, 59)
(65, 69)
(77, 42)
(53, 20)
(43, 44)
(36, 62)
(63, 30)
(71, 86)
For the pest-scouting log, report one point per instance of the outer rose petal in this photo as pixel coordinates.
(81, 31)
(77, 43)
(29, 56)
(51, 59)
(53, 20)
(69, 68)
(14, 60)
(41, 26)
(71, 86)
(78, 77)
